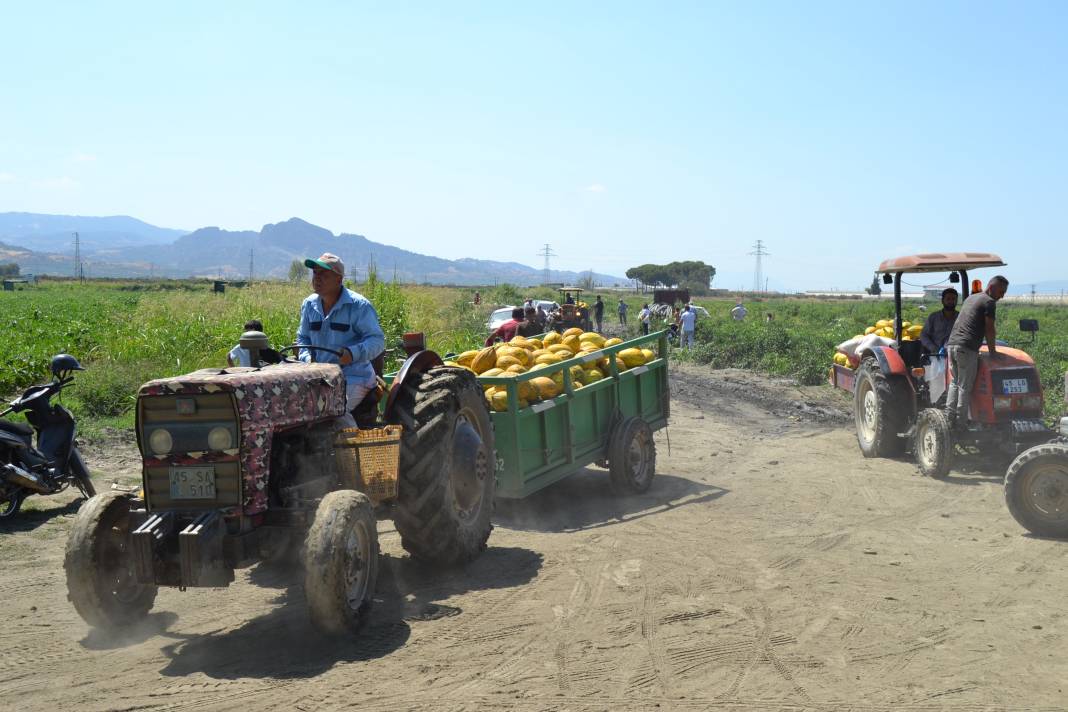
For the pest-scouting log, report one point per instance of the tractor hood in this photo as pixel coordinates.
(1010, 358)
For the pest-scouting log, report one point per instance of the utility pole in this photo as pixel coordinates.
(758, 274)
(1033, 294)
(79, 271)
(547, 252)
(251, 254)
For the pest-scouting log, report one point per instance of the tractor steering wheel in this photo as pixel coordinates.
(296, 347)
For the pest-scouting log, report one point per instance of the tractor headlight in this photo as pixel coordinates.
(220, 438)
(1002, 403)
(1031, 403)
(160, 441)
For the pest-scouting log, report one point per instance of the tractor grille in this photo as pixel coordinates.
(190, 438)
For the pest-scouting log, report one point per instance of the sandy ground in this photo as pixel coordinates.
(770, 567)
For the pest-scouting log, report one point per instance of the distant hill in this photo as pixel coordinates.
(213, 252)
(103, 235)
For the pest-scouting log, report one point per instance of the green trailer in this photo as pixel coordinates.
(609, 422)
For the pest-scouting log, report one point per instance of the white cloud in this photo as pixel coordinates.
(595, 188)
(7, 177)
(62, 183)
(83, 157)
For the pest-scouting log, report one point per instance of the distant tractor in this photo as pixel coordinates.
(243, 465)
(1036, 485)
(899, 391)
(575, 314)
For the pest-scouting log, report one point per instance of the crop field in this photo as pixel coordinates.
(127, 333)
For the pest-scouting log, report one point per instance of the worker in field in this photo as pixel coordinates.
(975, 322)
(621, 310)
(507, 330)
(645, 316)
(339, 319)
(739, 311)
(687, 326)
(531, 324)
(937, 326)
(598, 312)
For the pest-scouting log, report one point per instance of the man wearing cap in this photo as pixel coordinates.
(339, 319)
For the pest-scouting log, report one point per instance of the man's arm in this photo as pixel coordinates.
(303, 335)
(991, 337)
(368, 339)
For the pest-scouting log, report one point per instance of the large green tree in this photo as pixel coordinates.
(689, 274)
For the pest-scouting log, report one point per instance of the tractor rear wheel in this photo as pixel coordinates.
(1036, 490)
(447, 479)
(101, 582)
(631, 457)
(879, 412)
(341, 562)
(933, 443)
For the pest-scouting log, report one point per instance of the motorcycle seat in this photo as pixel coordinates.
(16, 428)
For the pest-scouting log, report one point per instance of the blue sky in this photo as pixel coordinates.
(621, 133)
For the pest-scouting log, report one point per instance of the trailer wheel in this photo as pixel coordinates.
(341, 562)
(631, 457)
(447, 479)
(101, 582)
(933, 443)
(1036, 490)
(878, 411)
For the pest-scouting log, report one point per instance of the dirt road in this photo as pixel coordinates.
(770, 567)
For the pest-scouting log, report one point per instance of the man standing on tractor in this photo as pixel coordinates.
(937, 327)
(339, 319)
(598, 312)
(975, 322)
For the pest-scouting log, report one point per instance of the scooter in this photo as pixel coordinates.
(55, 463)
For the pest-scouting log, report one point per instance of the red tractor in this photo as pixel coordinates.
(899, 391)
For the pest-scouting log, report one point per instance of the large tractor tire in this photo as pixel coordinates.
(879, 412)
(101, 582)
(447, 479)
(933, 443)
(631, 457)
(1036, 490)
(341, 562)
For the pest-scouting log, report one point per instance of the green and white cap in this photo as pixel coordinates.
(326, 261)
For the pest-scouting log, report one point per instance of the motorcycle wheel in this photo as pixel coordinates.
(80, 474)
(10, 502)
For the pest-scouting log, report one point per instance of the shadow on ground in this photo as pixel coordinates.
(585, 501)
(35, 512)
(282, 644)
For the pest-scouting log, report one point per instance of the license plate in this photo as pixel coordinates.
(193, 482)
(1012, 386)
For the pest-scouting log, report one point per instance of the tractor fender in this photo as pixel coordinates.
(415, 365)
(890, 361)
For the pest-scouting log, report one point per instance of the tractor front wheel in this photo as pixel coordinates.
(878, 410)
(1036, 490)
(447, 475)
(101, 582)
(341, 562)
(933, 443)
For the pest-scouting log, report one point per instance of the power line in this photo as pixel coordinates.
(758, 274)
(251, 254)
(547, 252)
(79, 270)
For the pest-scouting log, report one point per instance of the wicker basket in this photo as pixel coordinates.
(369, 460)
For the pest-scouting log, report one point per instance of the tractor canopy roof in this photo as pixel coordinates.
(570, 289)
(941, 262)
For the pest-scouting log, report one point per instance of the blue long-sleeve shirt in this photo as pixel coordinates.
(352, 324)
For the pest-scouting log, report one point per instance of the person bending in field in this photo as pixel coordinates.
(343, 321)
(239, 356)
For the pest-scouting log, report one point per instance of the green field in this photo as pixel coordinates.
(127, 333)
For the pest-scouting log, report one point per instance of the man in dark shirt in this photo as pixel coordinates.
(507, 330)
(598, 312)
(531, 325)
(938, 326)
(975, 322)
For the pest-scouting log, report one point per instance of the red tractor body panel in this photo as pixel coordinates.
(1006, 389)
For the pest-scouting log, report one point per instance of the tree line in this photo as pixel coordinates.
(690, 274)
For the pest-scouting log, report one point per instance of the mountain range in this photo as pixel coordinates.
(121, 246)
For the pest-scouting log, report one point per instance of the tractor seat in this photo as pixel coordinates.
(911, 353)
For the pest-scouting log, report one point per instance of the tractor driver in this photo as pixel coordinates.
(975, 322)
(338, 318)
(937, 326)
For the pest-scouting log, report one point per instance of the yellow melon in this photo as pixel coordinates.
(548, 359)
(632, 357)
(612, 342)
(547, 387)
(485, 360)
(516, 369)
(592, 337)
(573, 331)
(649, 355)
(592, 376)
(869, 330)
(503, 362)
(551, 338)
(466, 358)
(535, 344)
(572, 343)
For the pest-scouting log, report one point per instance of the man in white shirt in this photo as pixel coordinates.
(644, 317)
(687, 325)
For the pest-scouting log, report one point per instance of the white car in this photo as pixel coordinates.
(498, 317)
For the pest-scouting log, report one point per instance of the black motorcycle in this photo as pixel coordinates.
(55, 463)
